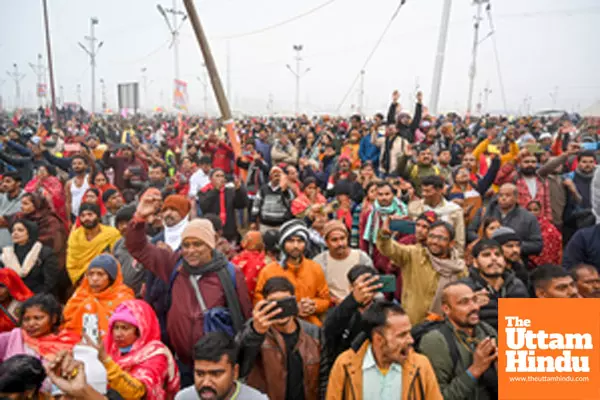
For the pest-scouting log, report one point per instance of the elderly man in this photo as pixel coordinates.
(587, 279)
(506, 208)
(339, 259)
(206, 284)
(306, 275)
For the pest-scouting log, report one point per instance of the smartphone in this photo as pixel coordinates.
(402, 226)
(388, 282)
(90, 327)
(289, 307)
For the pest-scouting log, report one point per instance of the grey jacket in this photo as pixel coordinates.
(8, 207)
(133, 272)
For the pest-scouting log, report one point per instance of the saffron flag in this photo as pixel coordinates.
(180, 95)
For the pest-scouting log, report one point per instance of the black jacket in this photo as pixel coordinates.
(44, 276)
(234, 199)
(511, 288)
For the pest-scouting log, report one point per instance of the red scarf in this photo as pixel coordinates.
(222, 206)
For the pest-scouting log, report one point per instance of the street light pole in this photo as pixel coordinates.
(298, 48)
(50, 66)
(17, 77)
(174, 30)
(439, 57)
(473, 68)
(39, 70)
(92, 52)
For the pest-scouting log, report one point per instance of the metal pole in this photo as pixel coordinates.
(93, 60)
(298, 50)
(62, 95)
(38, 70)
(145, 83)
(472, 71)
(214, 75)
(361, 93)
(79, 94)
(439, 57)
(17, 77)
(175, 40)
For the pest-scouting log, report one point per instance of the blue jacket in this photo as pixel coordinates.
(369, 151)
(264, 149)
(583, 248)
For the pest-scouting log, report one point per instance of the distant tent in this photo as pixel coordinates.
(593, 110)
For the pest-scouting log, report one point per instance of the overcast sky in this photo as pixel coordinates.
(545, 47)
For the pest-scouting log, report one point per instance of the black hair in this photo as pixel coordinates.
(359, 269)
(163, 168)
(545, 273)
(12, 174)
(79, 156)
(380, 116)
(21, 373)
(356, 117)
(278, 284)
(579, 267)
(215, 221)
(383, 184)
(47, 303)
(50, 168)
(369, 185)
(446, 226)
(433, 180)
(440, 151)
(125, 214)
(586, 153)
(375, 317)
(205, 160)
(214, 171)
(487, 221)
(214, 345)
(271, 240)
(449, 285)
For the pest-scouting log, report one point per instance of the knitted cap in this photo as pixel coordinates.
(505, 234)
(202, 229)
(334, 225)
(177, 202)
(107, 263)
(294, 227)
(122, 314)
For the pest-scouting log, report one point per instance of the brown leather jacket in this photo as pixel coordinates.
(263, 360)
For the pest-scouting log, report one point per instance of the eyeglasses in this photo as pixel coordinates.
(441, 238)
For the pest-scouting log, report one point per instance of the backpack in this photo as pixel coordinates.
(227, 319)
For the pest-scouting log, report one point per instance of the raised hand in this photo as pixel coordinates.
(149, 203)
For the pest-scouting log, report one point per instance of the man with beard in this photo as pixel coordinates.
(88, 241)
(474, 375)
(505, 207)
(272, 205)
(385, 366)
(425, 269)
(306, 276)
(553, 282)
(432, 189)
(489, 273)
(76, 187)
(339, 259)
(280, 356)
(510, 245)
(417, 172)
(531, 186)
(578, 211)
(157, 178)
(587, 279)
(216, 372)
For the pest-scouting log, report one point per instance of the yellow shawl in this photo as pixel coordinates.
(80, 251)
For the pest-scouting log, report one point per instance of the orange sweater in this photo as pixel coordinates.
(308, 280)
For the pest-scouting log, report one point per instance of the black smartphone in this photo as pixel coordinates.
(388, 283)
(402, 226)
(289, 307)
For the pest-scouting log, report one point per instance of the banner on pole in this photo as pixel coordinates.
(180, 95)
(41, 90)
(129, 96)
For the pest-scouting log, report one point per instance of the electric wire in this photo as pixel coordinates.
(372, 53)
(496, 56)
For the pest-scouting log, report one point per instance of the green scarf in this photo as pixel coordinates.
(372, 229)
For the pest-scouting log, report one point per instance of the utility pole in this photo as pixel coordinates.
(49, 56)
(270, 104)
(104, 102)
(92, 52)
(439, 57)
(40, 71)
(17, 77)
(554, 96)
(145, 84)
(486, 94)
(361, 93)
(298, 48)
(473, 68)
(79, 94)
(61, 94)
(204, 82)
(211, 66)
(174, 29)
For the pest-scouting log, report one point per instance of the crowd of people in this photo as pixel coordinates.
(311, 258)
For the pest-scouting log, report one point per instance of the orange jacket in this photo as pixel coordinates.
(346, 378)
(308, 280)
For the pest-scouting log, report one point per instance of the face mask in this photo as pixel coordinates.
(125, 350)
